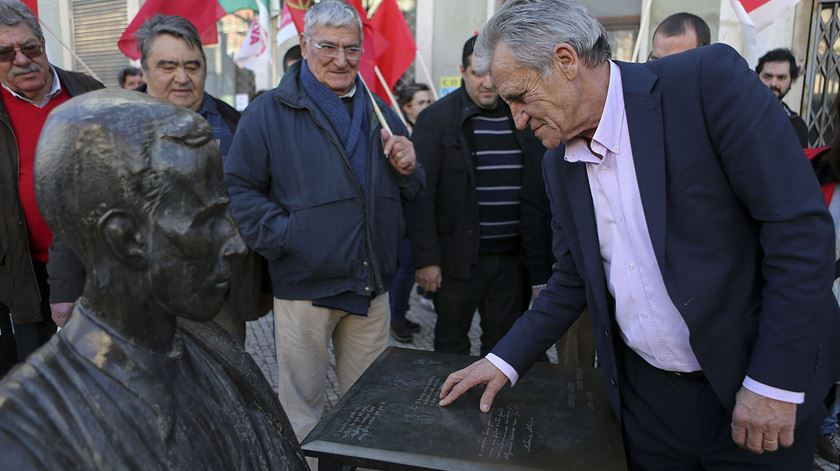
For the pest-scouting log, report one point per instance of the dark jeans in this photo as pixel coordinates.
(27, 337)
(673, 422)
(402, 283)
(495, 288)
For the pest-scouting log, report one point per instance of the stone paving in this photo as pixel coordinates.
(260, 344)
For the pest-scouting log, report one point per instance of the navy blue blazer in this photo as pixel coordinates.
(737, 222)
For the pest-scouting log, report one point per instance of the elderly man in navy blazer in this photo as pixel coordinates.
(687, 220)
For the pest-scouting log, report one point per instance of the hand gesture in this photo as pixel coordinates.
(480, 372)
(400, 153)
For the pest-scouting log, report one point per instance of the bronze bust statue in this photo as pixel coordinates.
(137, 380)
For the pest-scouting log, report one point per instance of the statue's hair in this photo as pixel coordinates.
(98, 152)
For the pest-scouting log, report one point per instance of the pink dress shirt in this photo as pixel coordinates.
(650, 324)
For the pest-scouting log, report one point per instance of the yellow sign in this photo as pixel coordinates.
(451, 81)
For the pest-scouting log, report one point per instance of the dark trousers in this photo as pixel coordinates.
(673, 422)
(495, 288)
(403, 282)
(27, 337)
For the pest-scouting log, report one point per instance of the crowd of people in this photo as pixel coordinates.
(662, 214)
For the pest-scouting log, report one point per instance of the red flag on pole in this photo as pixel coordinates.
(394, 40)
(298, 10)
(203, 14)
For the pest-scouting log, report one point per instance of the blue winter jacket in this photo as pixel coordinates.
(298, 203)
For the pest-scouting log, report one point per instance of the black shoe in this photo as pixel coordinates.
(401, 334)
(412, 327)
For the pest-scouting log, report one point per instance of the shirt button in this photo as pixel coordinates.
(612, 381)
(643, 315)
(606, 334)
(365, 263)
(367, 288)
(604, 169)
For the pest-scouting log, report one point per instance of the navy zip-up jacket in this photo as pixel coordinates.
(298, 203)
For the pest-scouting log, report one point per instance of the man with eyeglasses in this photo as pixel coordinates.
(31, 88)
(316, 185)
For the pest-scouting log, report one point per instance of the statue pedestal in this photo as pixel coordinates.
(556, 418)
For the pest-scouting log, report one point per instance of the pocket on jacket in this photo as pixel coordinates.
(324, 241)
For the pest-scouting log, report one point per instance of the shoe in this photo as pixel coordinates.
(413, 327)
(401, 334)
(828, 447)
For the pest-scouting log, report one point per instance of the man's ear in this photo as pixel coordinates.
(566, 60)
(120, 233)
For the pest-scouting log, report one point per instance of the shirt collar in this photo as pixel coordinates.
(607, 137)
(208, 105)
(126, 363)
(54, 90)
(350, 93)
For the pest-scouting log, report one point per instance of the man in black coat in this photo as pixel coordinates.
(31, 88)
(483, 218)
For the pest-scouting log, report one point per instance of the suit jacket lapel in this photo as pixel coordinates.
(644, 122)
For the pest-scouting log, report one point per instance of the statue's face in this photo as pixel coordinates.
(192, 238)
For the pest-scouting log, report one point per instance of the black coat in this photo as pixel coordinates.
(18, 286)
(443, 223)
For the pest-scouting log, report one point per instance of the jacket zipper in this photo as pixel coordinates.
(371, 254)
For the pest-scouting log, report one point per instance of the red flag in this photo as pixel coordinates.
(298, 10)
(369, 44)
(394, 40)
(33, 5)
(203, 14)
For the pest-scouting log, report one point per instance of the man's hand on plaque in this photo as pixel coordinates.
(480, 372)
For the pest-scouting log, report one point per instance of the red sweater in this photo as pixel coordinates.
(27, 121)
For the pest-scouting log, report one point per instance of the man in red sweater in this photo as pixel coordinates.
(30, 87)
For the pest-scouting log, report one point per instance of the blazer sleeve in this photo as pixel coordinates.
(763, 162)
(560, 302)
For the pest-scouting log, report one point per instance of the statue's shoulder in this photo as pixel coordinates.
(237, 364)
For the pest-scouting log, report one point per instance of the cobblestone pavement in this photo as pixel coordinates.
(260, 344)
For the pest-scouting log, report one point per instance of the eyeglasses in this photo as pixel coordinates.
(352, 53)
(9, 54)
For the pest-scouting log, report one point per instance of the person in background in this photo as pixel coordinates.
(291, 57)
(31, 88)
(316, 186)
(778, 70)
(826, 164)
(679, 32)
(472, 230)
(130, 78)
(175, 68)
(412, 99)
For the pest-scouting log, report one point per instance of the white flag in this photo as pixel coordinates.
(255, 53)
(285, 26)
(759, 14)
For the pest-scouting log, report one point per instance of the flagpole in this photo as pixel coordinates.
(73, 53)
(390, 95)
(425, 69)
(376, 110)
